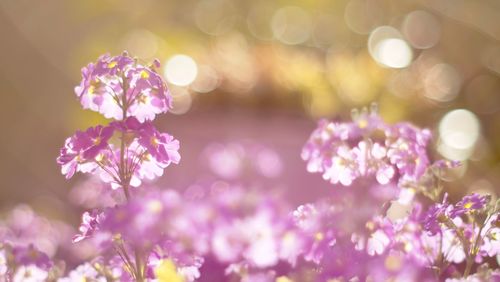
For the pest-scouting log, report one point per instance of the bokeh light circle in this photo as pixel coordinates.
(421, 29)
(291, 25)
(442, 83)
(459, 130)
(181, 100)
(181, 70)
(387, 47)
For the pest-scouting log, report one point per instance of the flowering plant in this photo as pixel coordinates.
(226, 232)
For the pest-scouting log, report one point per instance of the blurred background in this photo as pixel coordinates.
(249, 80)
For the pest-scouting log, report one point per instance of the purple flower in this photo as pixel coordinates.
(31, 256)
(146, 152)
(469, 204)
(491, 237)
(119, 84)
(371, 160)
(367, 147)
(80, 150)
(90, 224)
(161, 146)
(436, 215)
(407, 149)
(342, 167)
(317, 235)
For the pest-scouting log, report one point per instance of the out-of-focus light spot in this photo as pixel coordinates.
(206, 80)
(404, 83)
(361, 16)
(387, 46)
(181, 100)
(269, 163)
(259, 21)
(291, 25)
(459, 131)
(442, 83)
(454, 153)
(141, 43)
(215, 17)
(482, 94)
(394, 53)
(421, 29)
(181, 70)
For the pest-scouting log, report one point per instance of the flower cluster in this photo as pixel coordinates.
(443, 238)
(394, 223)
(344, 152)
(231, 227)
(125, 151)
(120, 86)
(144, 152)
(131, 148)
(22, 226)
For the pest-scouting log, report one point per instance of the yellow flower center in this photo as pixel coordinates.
(283, 279)
(112, 64)
(154, 141)
(143, 99)
(370, 225)
(91, 89)
(155, 206)
(99, 158)
(408, 247)
(468, 205)
(144, 74)
(393, 263)
(319, 236)
(167, 272)
(362, 123)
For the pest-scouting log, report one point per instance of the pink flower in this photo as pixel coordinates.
(90, 224)
(80, 150)
(371, 160)
(145, 153)
(119, 85)
(367, 147)
(342, 167)
(161, 146)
